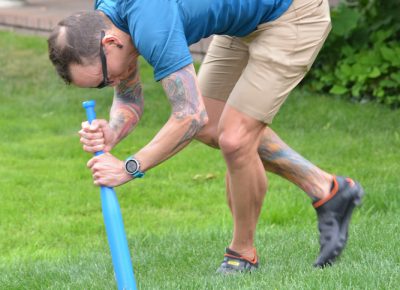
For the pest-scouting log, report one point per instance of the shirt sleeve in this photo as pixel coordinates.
(159, 36)
(111, 9)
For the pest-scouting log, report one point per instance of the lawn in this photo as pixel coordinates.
(51, 229)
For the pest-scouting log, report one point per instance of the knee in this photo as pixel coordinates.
(232, 144)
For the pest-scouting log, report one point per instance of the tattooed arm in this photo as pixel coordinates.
(125, 113)
(187, 118)
(127, 107)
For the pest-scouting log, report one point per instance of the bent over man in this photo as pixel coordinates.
(261, 50)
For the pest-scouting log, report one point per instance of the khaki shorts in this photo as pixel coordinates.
(256, 73)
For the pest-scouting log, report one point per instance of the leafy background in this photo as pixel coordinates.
(361, 57)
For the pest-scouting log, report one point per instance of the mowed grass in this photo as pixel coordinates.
(51, 229)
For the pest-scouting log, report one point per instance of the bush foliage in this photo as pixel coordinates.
(361, 57)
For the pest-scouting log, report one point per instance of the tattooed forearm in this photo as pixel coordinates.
(185, 98)
(187, 118)
(192, 131)
(127, 107)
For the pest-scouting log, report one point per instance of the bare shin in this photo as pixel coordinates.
(246, 180)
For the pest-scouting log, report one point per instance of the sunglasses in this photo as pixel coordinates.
(105, 81)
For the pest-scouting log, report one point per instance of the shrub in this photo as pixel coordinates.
(361, 57)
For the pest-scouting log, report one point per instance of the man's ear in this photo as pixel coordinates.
(112, 40)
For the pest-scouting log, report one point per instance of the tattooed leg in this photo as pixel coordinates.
(280, 159)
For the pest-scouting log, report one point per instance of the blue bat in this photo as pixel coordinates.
(114, 226)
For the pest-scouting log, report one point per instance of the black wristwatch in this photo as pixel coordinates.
(132, 167)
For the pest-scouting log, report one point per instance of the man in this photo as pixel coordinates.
(261, 51)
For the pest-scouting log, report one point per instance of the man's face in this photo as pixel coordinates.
(91, 75)
(86, 76)
(113, 66)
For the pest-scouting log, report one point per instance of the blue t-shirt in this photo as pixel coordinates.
(162, 30)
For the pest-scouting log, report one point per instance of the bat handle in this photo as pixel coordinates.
(91, 115)
(114, 225)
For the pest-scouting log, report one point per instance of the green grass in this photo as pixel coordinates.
(51, 229)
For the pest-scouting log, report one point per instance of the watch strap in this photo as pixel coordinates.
(138, 174)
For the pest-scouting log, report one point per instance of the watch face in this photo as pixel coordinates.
(131, 166)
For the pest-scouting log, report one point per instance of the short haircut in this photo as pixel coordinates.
(76, 40)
